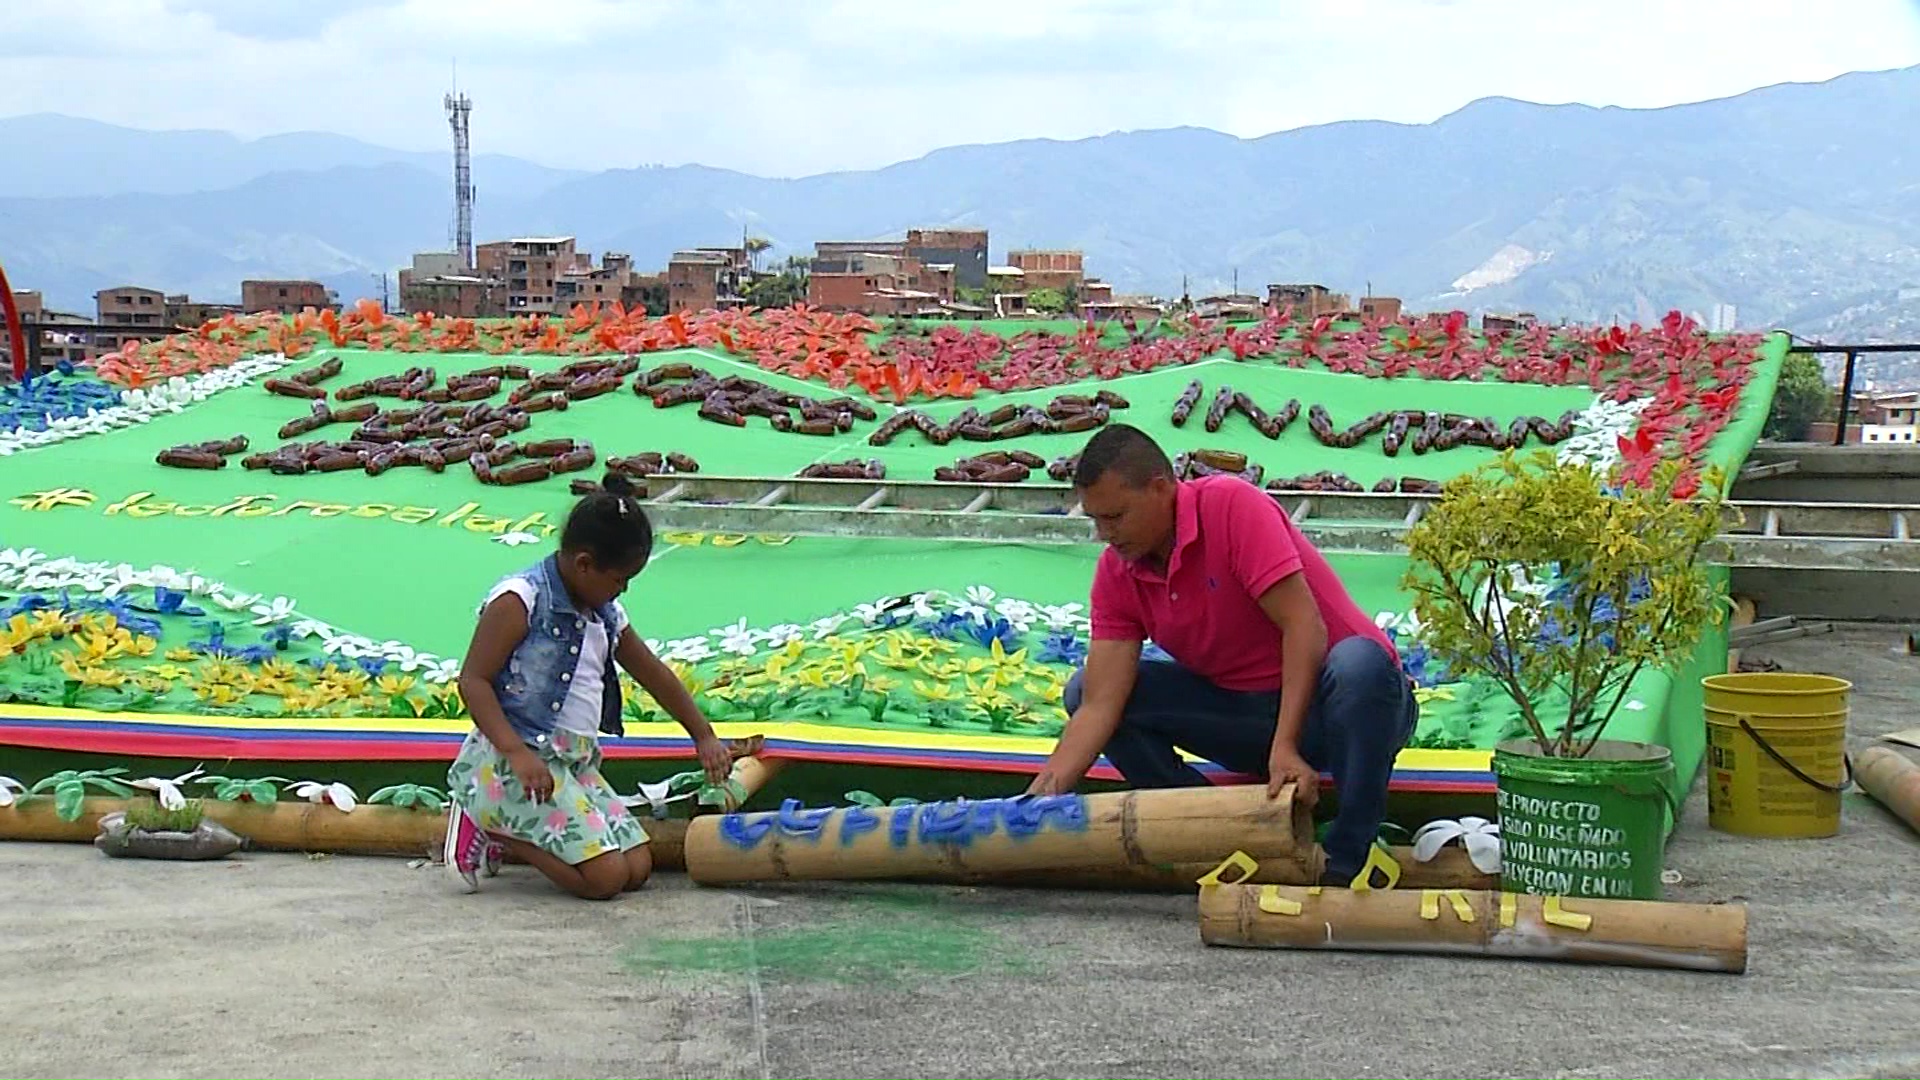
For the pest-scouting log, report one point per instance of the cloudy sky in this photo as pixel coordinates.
(802, 86)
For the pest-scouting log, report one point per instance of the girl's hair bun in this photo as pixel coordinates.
(616, 483)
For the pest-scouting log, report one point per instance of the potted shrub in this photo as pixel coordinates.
(1561, 586)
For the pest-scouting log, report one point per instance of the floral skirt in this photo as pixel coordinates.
(583, 819)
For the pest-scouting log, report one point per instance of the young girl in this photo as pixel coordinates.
(540, 682)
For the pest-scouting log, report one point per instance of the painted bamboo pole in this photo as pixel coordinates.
(1450, 869)
(1629, 933)
(1062, 833)
(301, 826)
(1892, 779)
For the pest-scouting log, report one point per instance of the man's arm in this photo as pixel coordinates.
(1303, 646)
(1112, 665)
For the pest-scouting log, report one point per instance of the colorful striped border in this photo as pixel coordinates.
(223, 738)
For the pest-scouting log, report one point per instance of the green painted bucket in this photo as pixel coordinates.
(1593, 826)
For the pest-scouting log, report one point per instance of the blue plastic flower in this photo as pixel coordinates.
(1062, 647)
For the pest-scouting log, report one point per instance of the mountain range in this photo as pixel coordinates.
(1798, 204)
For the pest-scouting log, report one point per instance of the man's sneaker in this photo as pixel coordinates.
(466, 848)
(496, 854)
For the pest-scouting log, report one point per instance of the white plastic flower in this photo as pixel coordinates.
(168, 790)
(1061, 616)
(307, 628)
(826, 627)
(267, 612)
(441, 672)
(738, 638)
(235, 601)
(339, 795)
(1479, 836)
(515, 539)
(870, 613)
(690, 650)
(8, 789)
(784, 633)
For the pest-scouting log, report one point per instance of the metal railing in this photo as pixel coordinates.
(1852, 353)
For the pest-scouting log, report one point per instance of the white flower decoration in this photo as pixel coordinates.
(689, 650)
(441, 672)
(339, 795)
(823, 628)
(235, 601)
(8, 788)
(515, 539)
(739, 638)
(1479, 836)
(267, 612)
(307, 628)
(168, 790)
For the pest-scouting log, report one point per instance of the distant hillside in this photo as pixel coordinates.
(1798, 204)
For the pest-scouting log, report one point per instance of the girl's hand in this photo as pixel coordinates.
(715, 759)
(534, 776)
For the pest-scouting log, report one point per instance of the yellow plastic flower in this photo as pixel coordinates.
(935, 691)
(47, 622)
(17, 634)
(394, 685)
(141, 645)
(182, 655)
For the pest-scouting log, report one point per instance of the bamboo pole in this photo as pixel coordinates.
(301, 826)
(1450, 869)
(1060, 833)
(1892, 779)
(1629, 933)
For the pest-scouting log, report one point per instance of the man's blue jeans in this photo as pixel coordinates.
(1363, 712)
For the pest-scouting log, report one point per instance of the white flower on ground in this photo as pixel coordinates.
(8, 787)
(338, 794)
(1019, 613)
(826, 627)
(235, 601)
(738, 638)
(168, 790)
(515, 539)
(441, 672)
(1061, 616)
(404, 655)
(777, 636)
(1479, 836)
(267, 612)
(166, 577)
(926, 605)
(689, 650)
(307, 628)
(870, 613)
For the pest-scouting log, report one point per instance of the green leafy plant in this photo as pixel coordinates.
(1546, 579)
(407, 796)
(148, 815)
(69, 789)
(729, 792)
(244, 789)
(1801, 398)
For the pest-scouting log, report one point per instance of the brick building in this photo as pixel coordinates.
(130, 313)
(1385, 308)
(440, 283)
(962, 251)
(703, 279)
(589, 284)
(879, 284)
(288, 297)
(188, 314)
(1307, 301)
(531, 267)
(1061, 271)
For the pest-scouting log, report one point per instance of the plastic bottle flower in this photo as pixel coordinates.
(10, 789)
(1479, 836)
(336, 794)
(168, 790)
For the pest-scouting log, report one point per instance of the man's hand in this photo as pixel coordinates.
(1049, 782)
(715, 759)
(1285, 764)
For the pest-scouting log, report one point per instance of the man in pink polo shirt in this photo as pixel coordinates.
(1275, 672)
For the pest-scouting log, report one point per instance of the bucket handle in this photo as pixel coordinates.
(1846, 761)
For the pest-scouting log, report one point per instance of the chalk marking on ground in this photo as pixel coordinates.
(755, 994)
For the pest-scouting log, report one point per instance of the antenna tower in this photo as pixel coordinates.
(458, 109)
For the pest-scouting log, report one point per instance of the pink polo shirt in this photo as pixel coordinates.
(1232, 542)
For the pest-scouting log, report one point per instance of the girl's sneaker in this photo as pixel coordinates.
(466, 848)
(496, 855)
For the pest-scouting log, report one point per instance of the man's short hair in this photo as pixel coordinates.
(1122, 449)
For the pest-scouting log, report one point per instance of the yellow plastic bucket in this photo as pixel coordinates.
(1776, 753)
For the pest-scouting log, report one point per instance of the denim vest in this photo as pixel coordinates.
(533, 684)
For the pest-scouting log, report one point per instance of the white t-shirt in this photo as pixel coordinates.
(580, 713)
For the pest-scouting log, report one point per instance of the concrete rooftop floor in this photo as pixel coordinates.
(284, 965)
